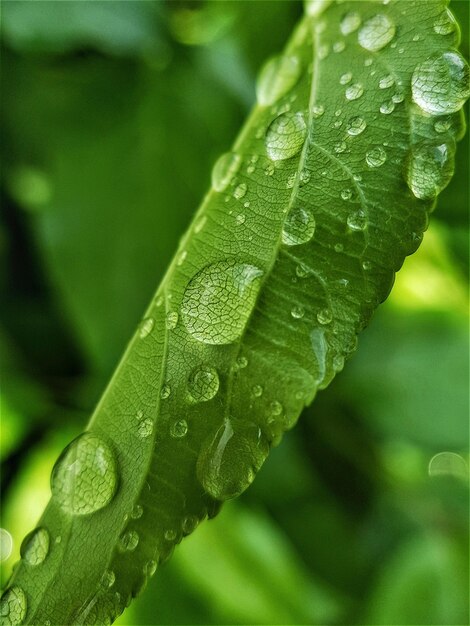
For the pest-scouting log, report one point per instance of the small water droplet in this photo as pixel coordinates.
(224, 170)
(218, 301)
(297, 312)
(316, 7)
(240, 191)
(317, 110)
(150, 568)
(387, 107)
(320, 350)
(356, 126)
(276, 78)
(285, 136)
(84, 478)
(240, 219)
(165, 391)
(171, 320)
(376, 157)
(269, 169)
(445, 23)
(376, 33)
(6, 544)
(230, 459)
(203, 383)
(338, 362)
(442, 125)
(448, 464)
(257, 391)
(13, 606)
(357, 221)
(322, 51)
(179, 429)
(145, 428)
(35, 546)
(182, 257)
(345, 78)
(398, 97)
(304, 177)
(170, 534)
(200, 224)
(339, 46)
(350, 22)
(129, 541)
(386, 82)
(338, 247)
(346, 194)
(108, 579)
(298, 228)
(440, 85)
(241, 362)
(275, 408)
(353, 92)
(430, 167)
(146, 327)
(340, 147)
(137, 511)
(324, 316)
(366, 265)
(190, 523)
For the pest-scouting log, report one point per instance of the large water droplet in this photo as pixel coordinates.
(429, 169)
(376, 33)
(376, 157)
(445, 23)
(230, 459)
(298, 228)
(84, 478)
(219, 300)
(350, 22)
(35, 546)
(13, 606)
(285, 136)
(203, 383)
(225, 169)
(440, 84)
(353, 92)
(276, 78)
(448, 464)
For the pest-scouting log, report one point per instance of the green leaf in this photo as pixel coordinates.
(326, 190)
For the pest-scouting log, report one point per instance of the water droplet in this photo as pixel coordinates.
(150, 568)
(146, 327)
(353, 92)
(345, 78)
(315, 7)
(442, 125)
(376, 157)
(35, 546)
(6, 544)
(387, 107)
(445, 23)
(356, 126)
(230, 459)
(240, 219)
(448, 464)
(440, 85)
(320, 350)
(324, 316)
(225, 169)
(129, 541)
(350, 22)
(338, 247)
(285, 136)
(199, 225)
(203, 383)
(241, 362)
(269, 170)
(257, 391)
(137, 511)
(218, 301)
(386, 82)
(165, 391)
(13, 606)
(357, 221)
(298, 228)
(323, 51)
(179, 429)
(171, 320)
(275, 408)
(108, 579)
(339, 46)
(317, 110)
(429, 169)
(240, 191)
(276, 78)
(170, 534)
(84, 478)
(366, 265)
(340, 147)
(297, 312)
(398, 97)
(190, 524)
(304, 177)
(376, 33)
(346, 194)
(145, 428)
(338, 362)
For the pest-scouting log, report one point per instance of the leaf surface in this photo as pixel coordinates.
(325, 192)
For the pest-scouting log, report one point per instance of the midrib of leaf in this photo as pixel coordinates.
(159, 473)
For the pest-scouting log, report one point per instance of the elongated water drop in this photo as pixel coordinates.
(276, 78)
(440, 85)
(13, 606)
(430, 167)
(225, 169)
(445, 23)
(85, 478)
(35, 546)
(298, 228)
(376, 33)
(146, 327)
(285, 136)
(350, 22)
(230, 459)
(203, 383)
(219, 300)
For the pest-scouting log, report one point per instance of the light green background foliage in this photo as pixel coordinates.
(109, 135)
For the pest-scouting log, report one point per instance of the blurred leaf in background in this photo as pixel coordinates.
(112, 116)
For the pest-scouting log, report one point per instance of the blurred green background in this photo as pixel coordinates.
(112, 116)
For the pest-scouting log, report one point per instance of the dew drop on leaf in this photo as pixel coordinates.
(219, 300)
(320, 350)
(386, 82)
(179, 429)
(353, 92)
(145, 428)
(356, 126)
(445, 23)
(375, 157)
(229, 460)
(240, 191)
(285, 136)
(35, 546)
(225, 169)
(129, 541)
(150, 568)
(324, 316)
(189, 524)
(257, 391)
(276, 78)
(350, 22)
(13, 606)
(345, 78)
(448, 464)
(165, 391)
(146, 327)
(442, 125)
(85, 478)
(440, 84)
(171, 320)
(430, 166)
(203, 383)
(299, 227)
(108, 579)
(387, 107)
(297, 312)
(376, 33)
(137, 511)
(357, 220)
